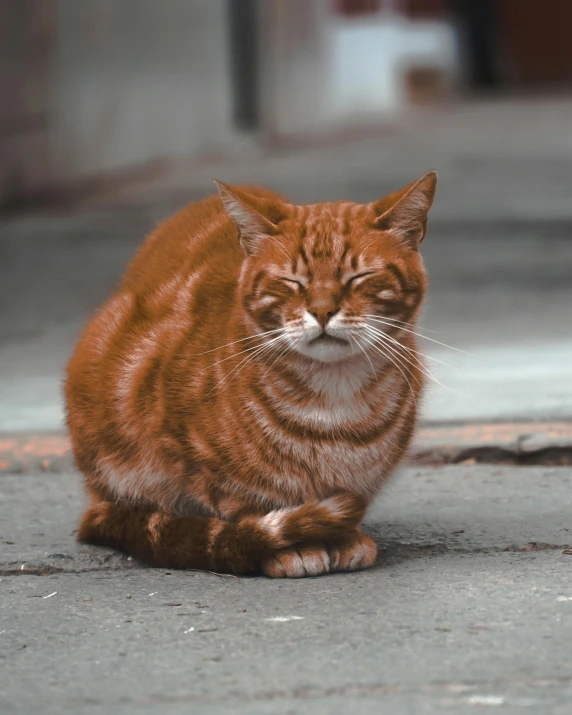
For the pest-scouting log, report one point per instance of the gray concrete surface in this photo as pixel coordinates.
(120, 90)
(468, 610)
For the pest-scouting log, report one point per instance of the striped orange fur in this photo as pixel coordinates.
(253, 382)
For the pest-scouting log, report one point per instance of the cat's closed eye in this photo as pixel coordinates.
(293, 282)
(357, 279)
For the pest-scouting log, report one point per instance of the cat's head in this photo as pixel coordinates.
(326, 276)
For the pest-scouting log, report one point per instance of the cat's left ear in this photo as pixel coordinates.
(250, 214)
(404, 213)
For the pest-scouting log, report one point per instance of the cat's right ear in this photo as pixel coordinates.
(244, 210)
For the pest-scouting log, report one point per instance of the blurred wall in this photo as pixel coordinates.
(294, 66)
(89, 87)
(26, 40)
(131, 82)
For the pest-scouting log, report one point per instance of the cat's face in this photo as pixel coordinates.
(322, 279)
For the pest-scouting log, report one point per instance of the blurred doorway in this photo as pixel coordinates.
(516, 43)
(244, 60)
(536, 41)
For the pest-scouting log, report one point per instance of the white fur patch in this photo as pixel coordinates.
(316, 563)
(328, 417)
(361, 556)
(131, 484)
(266, 301)
(274, 520)
(339, 382)
(332, 505)
(310, 324)
(111, 319)
(185, 293)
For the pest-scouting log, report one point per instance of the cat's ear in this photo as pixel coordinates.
(404, 213)
(248, 213)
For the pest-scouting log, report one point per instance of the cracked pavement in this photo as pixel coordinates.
(469, 606)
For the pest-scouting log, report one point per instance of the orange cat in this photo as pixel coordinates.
(253, 382)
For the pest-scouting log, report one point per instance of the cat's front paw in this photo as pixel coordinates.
(297, 562)
(352, 554)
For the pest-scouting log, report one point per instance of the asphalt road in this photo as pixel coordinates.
(468, 609)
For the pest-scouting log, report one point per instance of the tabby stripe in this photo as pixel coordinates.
(305, 433)
(392, 268)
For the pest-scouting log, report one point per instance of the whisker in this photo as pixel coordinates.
(360, 346)
(285, 251)
(286, 348)
(234, 342)
(366, 247)
(241, 352)
(362, 324)
(381, 320)
(270, 352)
(259, 350)
(380, 339)
(410, 350)
(395, 364)
(419, 366)
(405, 322)
(402, 358)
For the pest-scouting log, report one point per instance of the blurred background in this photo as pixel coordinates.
(114, 113)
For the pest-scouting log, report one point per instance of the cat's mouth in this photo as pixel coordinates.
(326, 338)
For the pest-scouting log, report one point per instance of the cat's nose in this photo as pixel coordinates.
(323, 316)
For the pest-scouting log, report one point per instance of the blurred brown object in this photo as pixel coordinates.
(412, 8)
(357, 7)
(426, 85)
(425, 8)
(536, 39)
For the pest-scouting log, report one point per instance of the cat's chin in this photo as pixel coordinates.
(326, 352)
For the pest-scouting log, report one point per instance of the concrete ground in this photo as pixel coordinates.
(469, 609)
(469, 606)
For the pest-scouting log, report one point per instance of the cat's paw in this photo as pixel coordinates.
(357, 552)
(297, 562)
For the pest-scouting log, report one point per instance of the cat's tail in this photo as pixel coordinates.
(210, 544)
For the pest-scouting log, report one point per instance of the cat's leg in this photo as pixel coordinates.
(297, 562)
(195, 542)
(353, 553)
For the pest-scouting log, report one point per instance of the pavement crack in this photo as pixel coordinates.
(360, 690)
(492, 454)
(49, 570)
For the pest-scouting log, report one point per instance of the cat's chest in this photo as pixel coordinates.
(342, 446)
(335, 435)
(338, 462)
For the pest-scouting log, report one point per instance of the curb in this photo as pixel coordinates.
(489, 443)
(494, 443)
